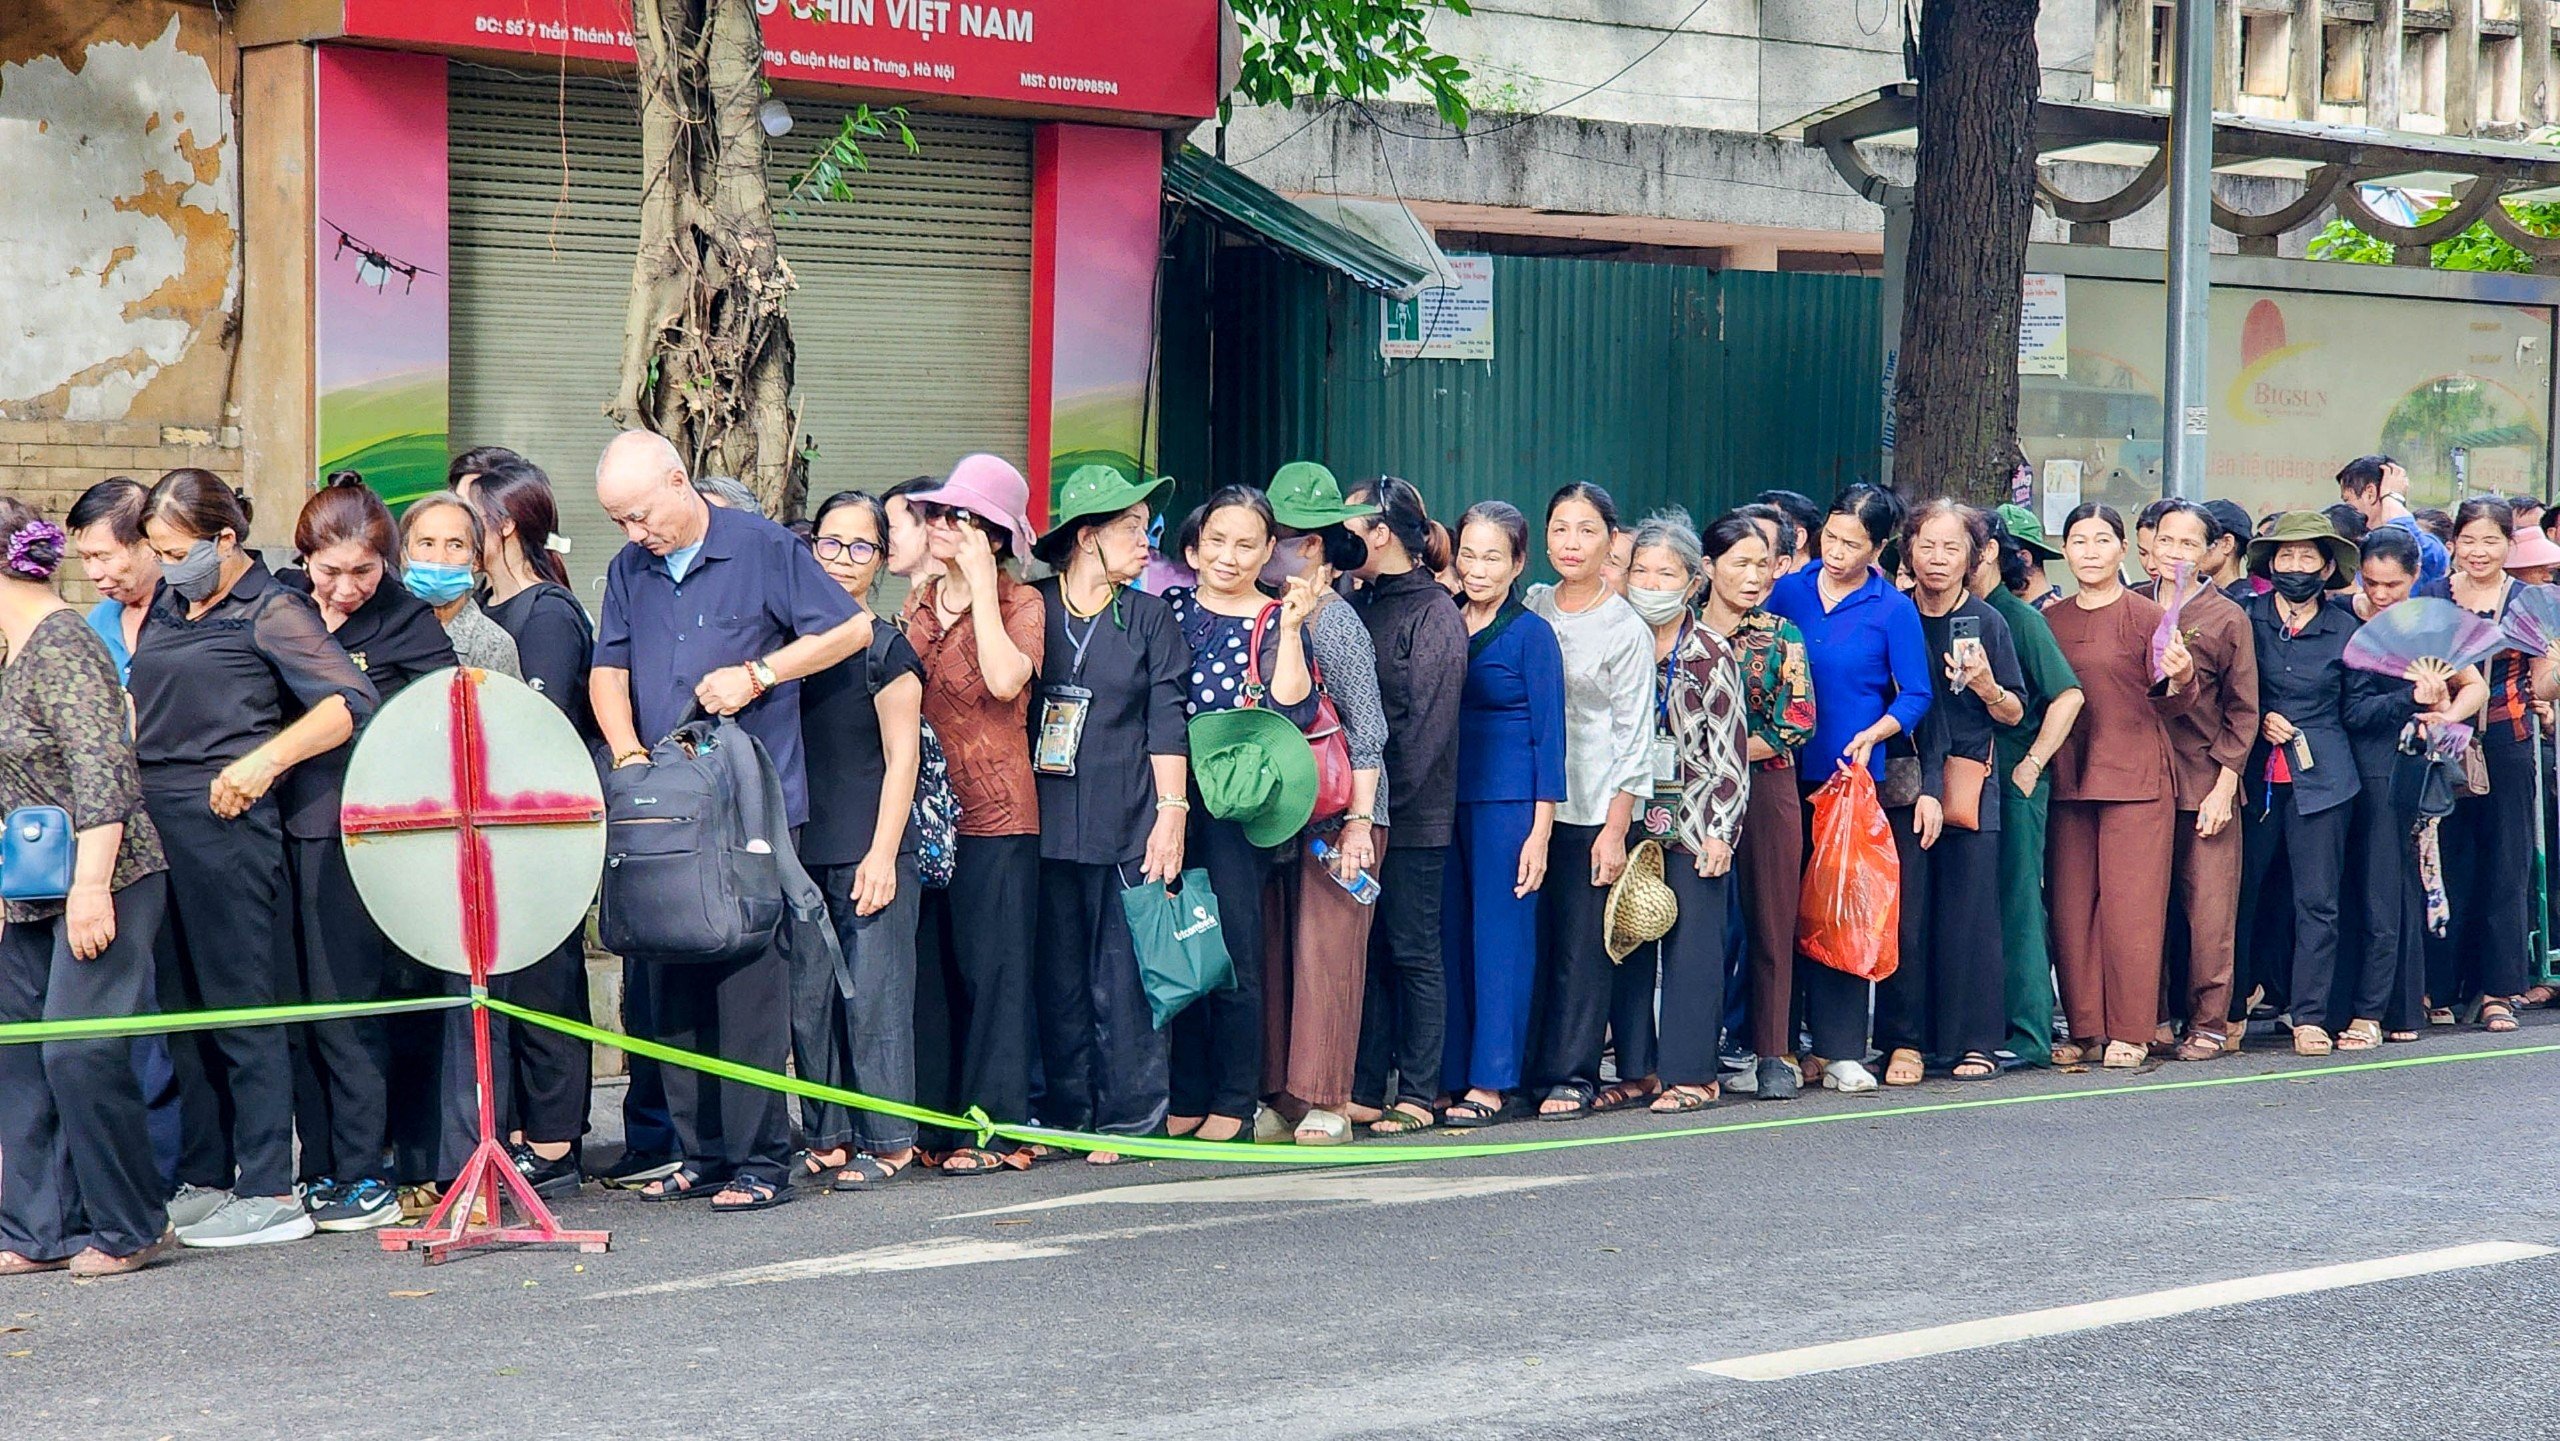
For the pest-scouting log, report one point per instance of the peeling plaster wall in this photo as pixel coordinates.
(118, 188)
(119, 201)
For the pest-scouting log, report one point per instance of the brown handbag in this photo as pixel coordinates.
(2475, 770)
(1962, 806)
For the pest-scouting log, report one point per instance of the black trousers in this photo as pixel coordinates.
(1836, 1003)
(342, 1091)
(1948, 995)
(1104, 1066)
(1574, 980)
(2487, 847)
(2314, 849)
(75, 1150)
(1404, 1015)
(1216, 1065)
(2391, 910)
(648, 1130)
(979, 1054)
(1690, 962)
(542, 1079)
(228, 905)
(739, 1011)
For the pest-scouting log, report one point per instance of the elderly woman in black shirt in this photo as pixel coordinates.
(1109, 713)
(351, 569)
(225, 658)
(78, 1190)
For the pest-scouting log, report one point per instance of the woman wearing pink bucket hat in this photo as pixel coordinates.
(2532, 556)
(980, 632)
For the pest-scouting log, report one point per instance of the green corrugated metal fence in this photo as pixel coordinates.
(1667, 384)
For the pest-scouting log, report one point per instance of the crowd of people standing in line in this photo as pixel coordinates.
(1418, 791)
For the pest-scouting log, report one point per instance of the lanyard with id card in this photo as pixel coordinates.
(1064, 710)
(1666, 750)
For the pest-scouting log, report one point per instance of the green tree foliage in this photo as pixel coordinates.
(2476, 248)
(1295, 49)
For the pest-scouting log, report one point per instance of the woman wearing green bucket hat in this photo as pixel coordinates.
(2302, 773)
(1318, 948)
(1253, 780)
(1108, 710)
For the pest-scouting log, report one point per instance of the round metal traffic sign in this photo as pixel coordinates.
(473, 823)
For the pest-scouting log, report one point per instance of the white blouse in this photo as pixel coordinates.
(1609, 680)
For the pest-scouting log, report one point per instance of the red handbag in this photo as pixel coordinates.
(1324, 734)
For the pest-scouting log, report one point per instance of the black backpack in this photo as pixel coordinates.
(698, 863)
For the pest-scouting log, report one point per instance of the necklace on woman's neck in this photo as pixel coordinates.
(1591, 591)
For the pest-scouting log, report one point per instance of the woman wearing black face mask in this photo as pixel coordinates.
(2302, 774)
(226, 655)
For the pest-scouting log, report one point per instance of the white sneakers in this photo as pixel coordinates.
(250, 1221)
(1847, 1077)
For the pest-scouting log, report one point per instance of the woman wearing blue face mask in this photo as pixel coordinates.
(441, 539)
(224, 659)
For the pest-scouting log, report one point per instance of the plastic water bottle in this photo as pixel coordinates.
(1362, 886)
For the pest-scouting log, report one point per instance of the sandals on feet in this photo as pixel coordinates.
(2200, 1046)
(2360, 1036)
(1626, 1095)
(2311, 1041)
(689, 1182)
(1976, 1066)
(761, 1194)
(1575, 1098)
(2069, 1053)
(2497, 1017)
(1463, 1115)
(974, 1161)
(1680, 1100)
(1407, 1117)
(2124, 1055)
(13, 1264)
(1903, 1068)
(865, 1171)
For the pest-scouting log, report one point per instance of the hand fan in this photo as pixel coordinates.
(2424, 629)
(2532, 620)
(2176, 606)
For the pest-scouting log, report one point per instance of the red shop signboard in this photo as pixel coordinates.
(1139, 57)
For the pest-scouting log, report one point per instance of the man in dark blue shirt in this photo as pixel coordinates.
(726, 610)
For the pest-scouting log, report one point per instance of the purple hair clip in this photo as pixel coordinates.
(27, 538)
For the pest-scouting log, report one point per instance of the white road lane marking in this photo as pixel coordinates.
(904, 1256)
(2063, 1320)
(1364, 1187)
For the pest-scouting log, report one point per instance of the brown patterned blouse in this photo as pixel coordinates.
(66, 739)
(984, 740)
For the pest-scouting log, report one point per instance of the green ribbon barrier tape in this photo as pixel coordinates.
(1383, 1151)
(29, 1033)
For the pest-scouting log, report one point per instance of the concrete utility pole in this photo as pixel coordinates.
(2190, 254)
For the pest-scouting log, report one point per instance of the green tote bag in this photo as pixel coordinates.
(1182, 949)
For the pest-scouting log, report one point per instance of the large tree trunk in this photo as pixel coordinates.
(706, 350)
(1955, 394)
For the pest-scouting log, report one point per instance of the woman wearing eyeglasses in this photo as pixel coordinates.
(860, 720)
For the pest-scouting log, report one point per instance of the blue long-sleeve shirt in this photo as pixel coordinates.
(1511, 713)
(1869, 660)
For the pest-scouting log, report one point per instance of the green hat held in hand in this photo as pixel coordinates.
(1305, 496)
(1256, 769)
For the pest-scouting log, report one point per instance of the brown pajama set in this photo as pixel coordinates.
(2212, 734)
(2114, 807)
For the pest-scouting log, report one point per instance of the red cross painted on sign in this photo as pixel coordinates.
(481, 866)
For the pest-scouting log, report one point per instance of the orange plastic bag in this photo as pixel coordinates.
(1850, 915)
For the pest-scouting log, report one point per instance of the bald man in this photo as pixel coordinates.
(726, 610)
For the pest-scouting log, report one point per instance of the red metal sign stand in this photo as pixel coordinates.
(490, 1177)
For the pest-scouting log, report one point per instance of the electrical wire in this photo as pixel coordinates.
(1677, 27)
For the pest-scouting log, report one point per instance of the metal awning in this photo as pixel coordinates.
(1228, 196)
(2334, 163)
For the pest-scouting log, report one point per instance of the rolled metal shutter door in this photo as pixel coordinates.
(911, 319)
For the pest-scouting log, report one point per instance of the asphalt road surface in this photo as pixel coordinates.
(2384, 1234)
